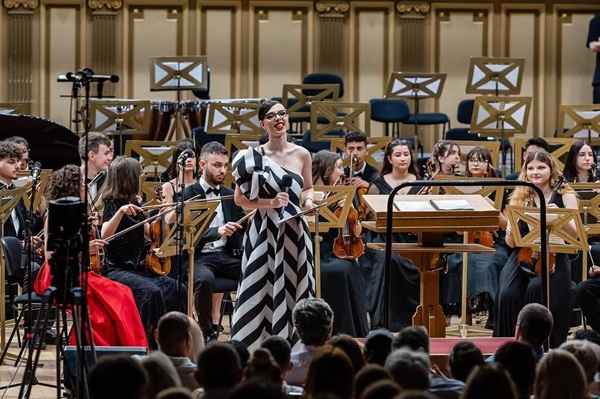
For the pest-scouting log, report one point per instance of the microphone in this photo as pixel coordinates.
(286, 183)
(35, 171)
(87, 75)
(184, 156)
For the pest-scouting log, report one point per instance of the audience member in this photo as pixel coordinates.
(489, 381)
(262, 366)
(416, 395)
(464, 357)
(368, 375)
(256, 389)
(281, 350)
(378, 345)
(174, 339)
(197, 343)
(385, 389)
(161, 374)
(559, 376)
(219, 370)
(519, 359)
(534, 324)
(409, 368)
(586, 354)
(175, 393)
(415, 337)
(118, 377)
(351, 348)
(330, 371)
(313, 321)
(588, 335)
(242, 351)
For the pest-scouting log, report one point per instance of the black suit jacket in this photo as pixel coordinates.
(369, 174)
(9, 227)
(231, 213)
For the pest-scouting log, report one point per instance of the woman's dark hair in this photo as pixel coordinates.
(570, 171)
(481, 153)
(265, 107)
(122, 180)
(389, 150)
(65, 182)
(323, 166)
(185, 144)
(441, 149)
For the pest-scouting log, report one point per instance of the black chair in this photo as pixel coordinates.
(389, 111)
(322, 78)
(204, 94)
(226, 286)
(316, 146)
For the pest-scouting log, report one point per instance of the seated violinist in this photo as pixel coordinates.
(219, 252)
(518, 285)
(445, 157)
(113, 313)
(359, 173)
(342, 285)
(580, 165)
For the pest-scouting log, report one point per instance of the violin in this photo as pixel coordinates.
(96, 259)
(528, 258)
(361, 208)
(158, 231)
(348, 245)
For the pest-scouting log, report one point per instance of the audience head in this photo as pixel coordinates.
(255, 388)
(368, 375)
(559, 376)
(378, 345)
(384, 389)
(281, 350)
(519, 360)
(196, 340)
(534, 324)
(161, 373)
(409, 368)
(241, 349)
(173, 334)
(416, 395)
(330, 372)
(218, 366)
(313, 321)
(586, 354)
(262, 366)
(489, 381)
(588, 335)
(118, 377)
(415, 337)
(175, 393)
(351, 348)
(464, 357)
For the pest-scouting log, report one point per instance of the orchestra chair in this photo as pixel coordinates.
(15, 275)
(204, 94)
(322, 78)
(429, 118)
(201, 137)
(316, 146)
(225, 286)
(394, 112)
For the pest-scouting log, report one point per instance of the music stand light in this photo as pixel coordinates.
(415, 86)
(580, 121)
(495, 75)
(178, 73)
(114, 117)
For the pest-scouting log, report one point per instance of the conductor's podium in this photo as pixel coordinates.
(430, 217)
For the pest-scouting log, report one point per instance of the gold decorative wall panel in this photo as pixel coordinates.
(19, 49)
(332, 37)
(276, 59)
(220, 40)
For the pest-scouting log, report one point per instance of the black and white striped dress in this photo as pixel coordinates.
(278, 263)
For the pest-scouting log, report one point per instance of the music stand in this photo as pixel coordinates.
(15, 108)
(415, 86)
(316, 224)
(235, 143)
(197, 216)
(41, 187)
(499, 116)
(8, 201)
(233, 118)
(579, 121)
(325, 117)
(178, 73)
(154, 154)
(374, 145)
(495, 75)
(113, 117)
(298, 98)
(589, 207)
(559, 148)
(558, 240)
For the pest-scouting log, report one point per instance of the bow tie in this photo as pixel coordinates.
(216, 191)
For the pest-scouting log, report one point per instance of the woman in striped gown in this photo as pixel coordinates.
(277, 264)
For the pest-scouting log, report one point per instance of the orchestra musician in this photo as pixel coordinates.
(175, 172)
(24, 146)
(10, 165)
(399, 165)
(532, 145)
(154, 295)
(445, 157)
(100, 153)
(113, 313)
(219, 252)
(517, 286)
(580, 165)
(358, 171)
(342, 285)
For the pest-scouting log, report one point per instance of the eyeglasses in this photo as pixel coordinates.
(273, 115)
(477, 160)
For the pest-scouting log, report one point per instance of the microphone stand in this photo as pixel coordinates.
(180, 237)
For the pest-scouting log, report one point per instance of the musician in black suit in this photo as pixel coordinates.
(10, 158)
(361, 174)
(219, 251)
(99, 152)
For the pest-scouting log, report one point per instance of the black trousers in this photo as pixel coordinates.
(207, 267)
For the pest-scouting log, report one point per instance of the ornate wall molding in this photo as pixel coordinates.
(109, 4)
(332, 8)
(413, 7)
(29, 4)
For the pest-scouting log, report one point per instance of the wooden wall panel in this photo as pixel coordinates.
(220, 40)
(277, 59)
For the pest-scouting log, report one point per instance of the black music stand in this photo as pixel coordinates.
(115, 117)
(415, 86)
(178, 73)
(499, 117)
(495, 75)
(580, 121)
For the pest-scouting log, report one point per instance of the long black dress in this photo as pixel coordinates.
(404, 278)
(518, 288)
(154, 295)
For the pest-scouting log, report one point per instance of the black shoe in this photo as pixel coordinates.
(50, 337)
(210, 337)
(218, 328)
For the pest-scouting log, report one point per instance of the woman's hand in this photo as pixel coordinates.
(130, 209)
(95, 245)
(281, 199)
